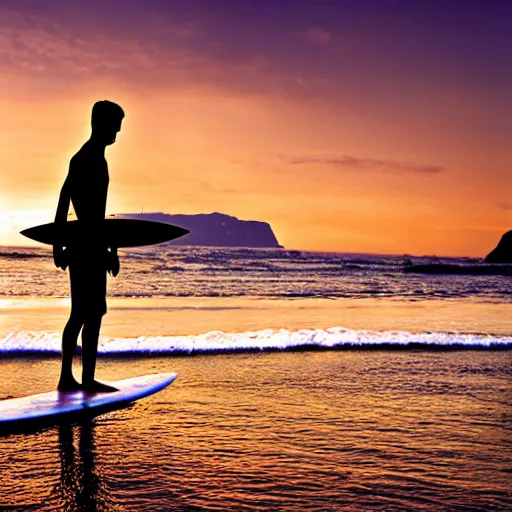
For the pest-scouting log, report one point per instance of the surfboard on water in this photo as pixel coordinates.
(51, 407)
(113, 232)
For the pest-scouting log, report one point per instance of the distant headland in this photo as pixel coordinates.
(214, 229)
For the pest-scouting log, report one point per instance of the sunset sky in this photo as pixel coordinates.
(349, 125)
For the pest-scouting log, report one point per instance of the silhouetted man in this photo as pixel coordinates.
(90, 258)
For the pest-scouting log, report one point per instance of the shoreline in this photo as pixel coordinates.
(411, 348)
(177, 316)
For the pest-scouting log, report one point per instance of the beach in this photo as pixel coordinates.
(327, 402)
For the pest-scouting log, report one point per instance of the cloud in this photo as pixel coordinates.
(370, 164)
(316, 35)
(56, 53)
(505, 205)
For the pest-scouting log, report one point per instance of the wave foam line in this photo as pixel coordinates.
(25, 342)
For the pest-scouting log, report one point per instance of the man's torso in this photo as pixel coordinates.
(88, 174)
(88, 182)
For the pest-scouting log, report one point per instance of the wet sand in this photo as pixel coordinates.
(132, 317)
(347, 431)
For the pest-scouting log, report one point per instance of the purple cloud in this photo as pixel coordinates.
(316, 35)
(370, 164)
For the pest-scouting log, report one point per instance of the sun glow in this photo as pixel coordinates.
(14, 221)
(380, 155)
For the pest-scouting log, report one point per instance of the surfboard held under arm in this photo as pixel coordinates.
(113, 232)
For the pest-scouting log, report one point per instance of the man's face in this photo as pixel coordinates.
(111, 132)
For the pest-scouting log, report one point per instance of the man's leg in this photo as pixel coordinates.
(90, 335)
(69, 340)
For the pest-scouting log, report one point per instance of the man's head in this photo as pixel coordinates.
(106, 121)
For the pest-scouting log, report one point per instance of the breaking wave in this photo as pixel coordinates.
(48, 343)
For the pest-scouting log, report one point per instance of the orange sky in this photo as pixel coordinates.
(337, 150)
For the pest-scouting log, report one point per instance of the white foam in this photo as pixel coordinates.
(217, 341)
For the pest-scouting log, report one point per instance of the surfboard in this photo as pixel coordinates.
(48, 408)
(112, 232)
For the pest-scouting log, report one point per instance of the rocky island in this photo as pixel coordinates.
(502, 253)
(497, 263)
(214, 229)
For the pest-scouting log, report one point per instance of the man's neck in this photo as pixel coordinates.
(97, 145)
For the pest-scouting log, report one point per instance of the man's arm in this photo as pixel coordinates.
(61, 218)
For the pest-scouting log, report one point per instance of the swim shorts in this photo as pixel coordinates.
(88, 282)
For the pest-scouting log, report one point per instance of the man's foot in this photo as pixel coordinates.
(67, 385)
(97, 387)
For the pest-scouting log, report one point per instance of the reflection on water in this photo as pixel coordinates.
(55, 469)
(81, 485)
(351, 431)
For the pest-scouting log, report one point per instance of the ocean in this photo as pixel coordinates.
(307, 381)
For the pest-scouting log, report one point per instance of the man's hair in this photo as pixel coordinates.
(105, 111)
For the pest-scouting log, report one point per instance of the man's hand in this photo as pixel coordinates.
(113, 265)
(60, 257)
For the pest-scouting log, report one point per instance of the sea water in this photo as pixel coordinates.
(196, 300)
(307, 381)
